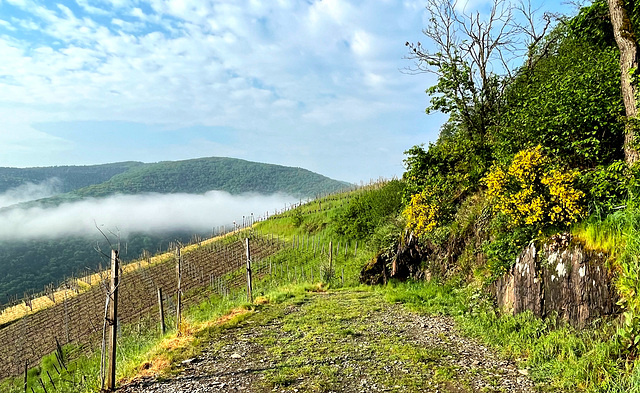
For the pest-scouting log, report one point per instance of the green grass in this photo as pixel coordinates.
(326, 340)
(558, 357)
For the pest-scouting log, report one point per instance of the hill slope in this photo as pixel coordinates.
(214, 173)
(26, 266)
(71, 177)
(194, 176)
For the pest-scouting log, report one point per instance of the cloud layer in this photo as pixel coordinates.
(152, 213)
(294, 78)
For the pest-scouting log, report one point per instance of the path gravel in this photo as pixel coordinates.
(253, 356)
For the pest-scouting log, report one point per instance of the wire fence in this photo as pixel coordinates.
(76, 310)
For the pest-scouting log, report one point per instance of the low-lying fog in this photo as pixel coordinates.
(153, 213)
(30, 192)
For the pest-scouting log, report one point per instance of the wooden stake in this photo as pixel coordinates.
(249, 286)
(179, 294)
(113, 320)
(26, 369)
(163, 328)
(42, 384)
(51, 380)
(330, 258)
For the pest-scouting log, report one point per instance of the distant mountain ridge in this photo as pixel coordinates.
(29, 265)
(193, 176)
(200, 175)
(71, 177)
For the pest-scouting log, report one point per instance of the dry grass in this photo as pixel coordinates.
(160, 361)
(152, 367)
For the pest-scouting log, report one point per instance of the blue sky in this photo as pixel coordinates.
(314, 84)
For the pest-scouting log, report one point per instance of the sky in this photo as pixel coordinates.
(311, 84)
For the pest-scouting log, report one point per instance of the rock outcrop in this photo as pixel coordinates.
(403, 263)
(562, 277)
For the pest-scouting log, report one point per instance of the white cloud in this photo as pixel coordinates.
(18, 3)
(137, 213)
(91, 9)
(469, 6)
(7, 25)
(266, 67)
(362, 43)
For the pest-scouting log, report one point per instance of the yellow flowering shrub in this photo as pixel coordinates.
(529, 192)
(422, 213)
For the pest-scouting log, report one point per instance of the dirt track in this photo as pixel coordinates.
(341, 342)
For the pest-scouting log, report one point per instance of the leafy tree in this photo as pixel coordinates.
(472, 59)
(569, 103)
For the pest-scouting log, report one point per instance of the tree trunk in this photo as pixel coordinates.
(626, 40)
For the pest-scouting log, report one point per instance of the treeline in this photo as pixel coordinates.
(71, 177)
(197, 176)
(534, 150)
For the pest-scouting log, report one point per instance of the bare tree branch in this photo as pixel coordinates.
(473, 56)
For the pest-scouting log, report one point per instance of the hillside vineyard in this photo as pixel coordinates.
(79, 319)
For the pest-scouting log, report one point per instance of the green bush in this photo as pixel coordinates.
(369, 210)
(609, 186)
(503, 249)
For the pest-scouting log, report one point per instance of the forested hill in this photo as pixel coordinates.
(71, 177)
(215, 173)
(190, 176)
(27, 265)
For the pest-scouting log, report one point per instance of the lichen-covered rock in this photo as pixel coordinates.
(561, 277)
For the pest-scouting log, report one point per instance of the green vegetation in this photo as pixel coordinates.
(557, 356)
(319, 321)
(71, 177)
(524, 156)
(27, 266)
(214, 173)
(548, 154)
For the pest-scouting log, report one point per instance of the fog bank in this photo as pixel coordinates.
(30, 191)
(152, 213)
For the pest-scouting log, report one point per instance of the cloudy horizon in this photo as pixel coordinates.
(312, 84)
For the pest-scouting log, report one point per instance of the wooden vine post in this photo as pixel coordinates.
(330, 259)
(163, 328)
(179, 294)
(26, 374)
(113, 320)
(249, 286)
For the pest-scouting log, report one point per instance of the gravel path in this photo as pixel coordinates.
(378, 347)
